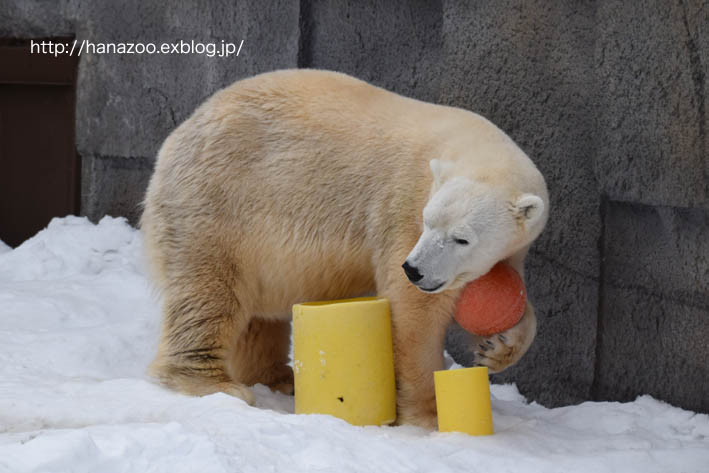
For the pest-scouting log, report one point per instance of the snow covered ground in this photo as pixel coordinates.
(78, 325)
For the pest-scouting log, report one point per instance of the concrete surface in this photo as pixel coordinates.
(655, 305)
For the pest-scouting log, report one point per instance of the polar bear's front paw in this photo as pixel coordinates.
(496, 352)
(502, 350)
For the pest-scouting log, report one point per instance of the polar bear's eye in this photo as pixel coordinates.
(461, 241)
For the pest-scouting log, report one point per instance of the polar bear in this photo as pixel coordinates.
(302, 185)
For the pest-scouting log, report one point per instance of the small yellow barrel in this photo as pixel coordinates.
(463, 400)
(343, 361)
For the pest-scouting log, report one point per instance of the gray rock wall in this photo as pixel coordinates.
(652, 161)
(607, 97)
(651, 80)
(654, 305)
(128, 104)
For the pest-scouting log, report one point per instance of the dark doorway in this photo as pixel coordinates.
(39, 166)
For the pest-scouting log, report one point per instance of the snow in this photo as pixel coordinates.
(78, 326)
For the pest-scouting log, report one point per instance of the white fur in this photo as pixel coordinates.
(468, 226)
(311, 185)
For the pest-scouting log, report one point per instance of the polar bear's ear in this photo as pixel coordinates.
(529, 208)
(438, 168)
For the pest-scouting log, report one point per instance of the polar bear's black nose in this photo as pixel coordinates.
(411, 272)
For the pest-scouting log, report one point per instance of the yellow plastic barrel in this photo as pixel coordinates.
(343, 361)
(463, 401)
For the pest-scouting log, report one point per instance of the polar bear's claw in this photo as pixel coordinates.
(500, 351)
(496, 354)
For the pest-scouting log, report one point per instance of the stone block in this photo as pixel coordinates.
(651, 67)
(127, 104)
(35, 19)
(655, 306)
(394, 44)
(145, 96)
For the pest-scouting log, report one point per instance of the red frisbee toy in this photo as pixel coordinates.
(492, 303)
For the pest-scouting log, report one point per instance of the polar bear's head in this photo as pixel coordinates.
(468, 226)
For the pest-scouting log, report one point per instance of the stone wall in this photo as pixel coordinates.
(607, 97)
(128, 104)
